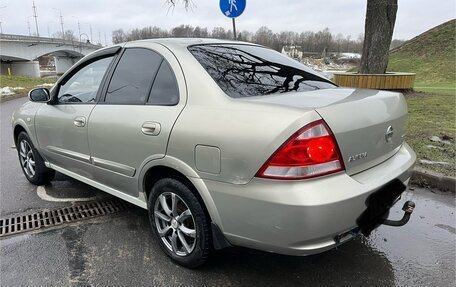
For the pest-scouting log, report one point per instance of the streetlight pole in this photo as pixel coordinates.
(48, 30)
(91, 38)
(84, 34)
(1, 27)
(36, 19)
(79, 33)
(61, 23)
(28, 25)
(79, 27)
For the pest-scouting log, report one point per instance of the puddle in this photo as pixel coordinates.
(422, 252)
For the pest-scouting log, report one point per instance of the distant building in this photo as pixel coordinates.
(292, 51)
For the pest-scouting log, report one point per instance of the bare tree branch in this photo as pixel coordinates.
(189, 5)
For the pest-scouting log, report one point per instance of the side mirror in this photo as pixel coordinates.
(40, 95)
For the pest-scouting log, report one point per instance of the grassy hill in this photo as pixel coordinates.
(431, 55)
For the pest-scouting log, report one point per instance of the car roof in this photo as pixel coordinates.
(185, 42)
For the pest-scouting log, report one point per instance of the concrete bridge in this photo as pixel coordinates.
(19, 54)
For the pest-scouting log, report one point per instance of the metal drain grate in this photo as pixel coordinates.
(50, 218)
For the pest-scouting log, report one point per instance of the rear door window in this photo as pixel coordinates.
(132, 79)
(164, 91)
(246, 71)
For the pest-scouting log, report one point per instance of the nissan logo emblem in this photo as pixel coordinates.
(389, 134)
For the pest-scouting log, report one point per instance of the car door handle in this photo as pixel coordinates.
(79, 122)
(151, 128)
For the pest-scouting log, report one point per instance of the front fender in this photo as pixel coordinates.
(24, 117)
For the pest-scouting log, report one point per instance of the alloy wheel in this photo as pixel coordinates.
(175, 223)
(27, 159)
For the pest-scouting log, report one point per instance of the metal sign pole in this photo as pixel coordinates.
(232, 9)
(234, 29)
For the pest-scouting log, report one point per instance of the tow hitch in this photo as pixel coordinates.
(408, 210)
(378, 206)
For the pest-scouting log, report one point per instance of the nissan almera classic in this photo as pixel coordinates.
(225, 143)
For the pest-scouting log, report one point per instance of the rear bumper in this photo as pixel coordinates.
(301, 217)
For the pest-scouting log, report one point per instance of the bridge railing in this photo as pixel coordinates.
(36, 40)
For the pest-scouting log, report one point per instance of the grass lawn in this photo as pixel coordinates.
(448, 88)
(433, 114)
(27, 83)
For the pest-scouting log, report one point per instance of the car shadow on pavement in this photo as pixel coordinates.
(120, 250)
(354, 263)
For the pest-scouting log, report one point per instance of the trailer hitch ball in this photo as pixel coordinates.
(409, 206)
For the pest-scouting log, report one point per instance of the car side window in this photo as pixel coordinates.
(83, 86)
(164, 90)
(133, 77)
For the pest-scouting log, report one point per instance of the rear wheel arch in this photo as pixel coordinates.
(178, 167)
(169, 166)
(155, 173)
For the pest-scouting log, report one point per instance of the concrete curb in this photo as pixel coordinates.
(429, 178)
(11, 97)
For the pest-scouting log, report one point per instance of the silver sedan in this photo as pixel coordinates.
(225, 143)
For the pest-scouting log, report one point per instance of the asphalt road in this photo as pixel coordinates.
(119, 250)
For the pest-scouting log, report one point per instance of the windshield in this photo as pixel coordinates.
(246, 71)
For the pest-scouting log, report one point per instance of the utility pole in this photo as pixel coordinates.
(106, 42)
(36, 19)
(91, 38)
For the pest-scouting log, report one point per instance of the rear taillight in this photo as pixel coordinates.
(310, 152)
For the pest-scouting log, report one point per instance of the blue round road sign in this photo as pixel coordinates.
(232, 8)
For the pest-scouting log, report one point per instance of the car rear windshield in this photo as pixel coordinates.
(246, 71)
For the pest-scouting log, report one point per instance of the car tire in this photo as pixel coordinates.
(32, 164)
(175, 226)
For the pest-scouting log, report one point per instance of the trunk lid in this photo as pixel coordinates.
(369, 125)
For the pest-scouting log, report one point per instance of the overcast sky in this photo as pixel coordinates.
(340, 16)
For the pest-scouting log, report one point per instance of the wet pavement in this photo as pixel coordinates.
(119, 250)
